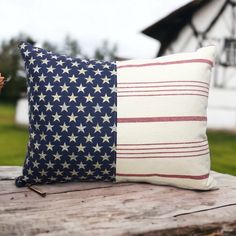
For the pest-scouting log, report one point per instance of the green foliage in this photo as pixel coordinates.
(11, 67)
(13, 141)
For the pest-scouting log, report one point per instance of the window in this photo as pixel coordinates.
(230, 50)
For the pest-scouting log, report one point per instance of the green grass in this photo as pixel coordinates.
(13, 141)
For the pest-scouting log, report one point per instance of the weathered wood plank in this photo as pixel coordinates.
(118, 209)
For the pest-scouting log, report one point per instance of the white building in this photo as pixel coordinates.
(200, 23)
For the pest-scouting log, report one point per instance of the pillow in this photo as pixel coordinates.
(136, 120)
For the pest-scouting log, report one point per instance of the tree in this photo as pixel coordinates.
(11, 67)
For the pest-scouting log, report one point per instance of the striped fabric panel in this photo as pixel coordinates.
(161, 120)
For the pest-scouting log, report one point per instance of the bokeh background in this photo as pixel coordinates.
(112, 30)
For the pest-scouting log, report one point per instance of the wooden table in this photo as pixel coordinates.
(116, 209)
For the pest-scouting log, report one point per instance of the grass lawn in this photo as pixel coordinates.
(13, 141)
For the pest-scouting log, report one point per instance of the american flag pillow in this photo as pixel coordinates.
(136, 120)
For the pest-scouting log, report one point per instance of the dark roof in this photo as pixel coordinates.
(168, 28)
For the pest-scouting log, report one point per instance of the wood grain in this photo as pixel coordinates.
(116, 209)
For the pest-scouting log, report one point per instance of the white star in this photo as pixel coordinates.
(73, 79)
(81, 148)
(81, 128)
(97, 128)
(90, 66)
(48, 87)
(89, 172)
(89, 118)
(89, 98)
(73, 157)
(113, 108)
(27, 53)
(56, 117)
(42, 97)
(42, 116)
(72, 97)
(64, 147)
(31, 60)
(89, 157)
(57, 78)
(60, 63)
(65, 165)
(113, 89)
(57, 156)
(36, 145)
(45, 61)
(113, 148)
(36, 69)
(57, 137)
(50, 165)
(105, 66)
(66, 70)
(97, 148)
(105, 98)
(74, 64)
(56, 97)
(89, 138)
(48, 107)
(64, 88)
(49, 146)
(72, 138)
(98, 72)
(42, 78)
(81, 165)
(64, 127)
(37, 125)
(49, 126)
(43, 136)
(36, 87)
(89, 80)
(80, 88)
(105, 138)
(82, 71)
(64, 107)
(113, 72)
(58, 172)
(105, 157)
(42, 155)
(74, 172)
(97, 108)
(97, 89)
(51, 69)
(72, 117)
(40, 54)
(105, 80)
(35, 164)
(36, 107)
(43, 172)
(106, 118)
(113, 128)
(97, 165)
(80, 107)
(22, 46)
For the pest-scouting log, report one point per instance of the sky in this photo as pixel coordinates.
(88, 21)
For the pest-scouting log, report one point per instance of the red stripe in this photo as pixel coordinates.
(196, 177)
(175, 94)
(135, 153)
(148, 157)
(144, 144)
(136, 149)
(161, 86)
(167, 63)
(168, 81)
(162, 90)
(161, 119)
